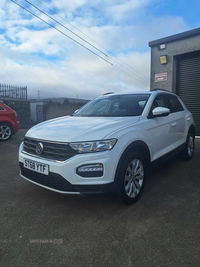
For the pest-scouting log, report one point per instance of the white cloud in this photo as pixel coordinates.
(79, 76)
(118, 11)
(71, 5)
(35, 55)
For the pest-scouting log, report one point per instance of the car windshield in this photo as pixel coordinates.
(115, 106)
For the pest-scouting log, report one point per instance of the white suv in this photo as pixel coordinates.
(108, 145)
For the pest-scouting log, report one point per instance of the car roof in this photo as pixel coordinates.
(128, 93)
(152, 91)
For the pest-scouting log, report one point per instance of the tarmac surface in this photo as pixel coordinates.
(43, 228)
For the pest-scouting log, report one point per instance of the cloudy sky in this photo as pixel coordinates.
(35, 55)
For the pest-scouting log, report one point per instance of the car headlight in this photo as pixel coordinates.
(93, 146)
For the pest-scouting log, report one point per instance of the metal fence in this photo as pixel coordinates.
(10, 91)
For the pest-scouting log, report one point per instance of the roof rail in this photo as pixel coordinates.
(109, 93)
(159, 89)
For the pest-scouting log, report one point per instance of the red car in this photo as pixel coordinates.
(9, 123)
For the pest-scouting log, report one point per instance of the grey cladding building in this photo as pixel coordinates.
(175, 66)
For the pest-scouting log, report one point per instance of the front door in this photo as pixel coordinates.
(159, 130)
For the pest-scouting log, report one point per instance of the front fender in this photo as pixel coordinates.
(128, 136)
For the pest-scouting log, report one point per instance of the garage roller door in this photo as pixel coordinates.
(188, 84)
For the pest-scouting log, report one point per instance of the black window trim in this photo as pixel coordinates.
(169, 105)
(3, 109)
(165, 98)
(180, 103)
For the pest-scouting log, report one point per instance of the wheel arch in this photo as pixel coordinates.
(136, 146)
(192, 129)
(10, 124)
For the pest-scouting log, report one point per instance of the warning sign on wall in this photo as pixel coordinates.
(161, 77)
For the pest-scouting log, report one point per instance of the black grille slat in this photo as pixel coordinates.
(31, 148)
(53, 147)
(30, 143)
(52, 151)
(57, 146)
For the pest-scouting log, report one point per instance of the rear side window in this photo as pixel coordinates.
(174, 104)
(1, 108)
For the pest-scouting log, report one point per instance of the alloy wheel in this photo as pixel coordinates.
(5, 132)
(190, 146)
(134, 177)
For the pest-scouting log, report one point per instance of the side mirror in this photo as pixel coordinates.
(159, 112)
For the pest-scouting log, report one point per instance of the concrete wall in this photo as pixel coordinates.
(58, 109)
(54, 108)
(172, 50)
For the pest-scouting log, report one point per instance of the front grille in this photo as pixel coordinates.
(53, 151)
(53, 180)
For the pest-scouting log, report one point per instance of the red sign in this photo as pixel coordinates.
(161, 77)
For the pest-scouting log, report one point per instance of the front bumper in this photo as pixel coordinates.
(59, 184)
(63, 178)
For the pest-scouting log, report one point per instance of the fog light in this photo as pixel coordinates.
(92, 170)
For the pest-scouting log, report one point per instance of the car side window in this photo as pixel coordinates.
(1, 108)
(174, 104)
(159, 101)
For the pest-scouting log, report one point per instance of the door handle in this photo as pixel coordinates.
(174, 124)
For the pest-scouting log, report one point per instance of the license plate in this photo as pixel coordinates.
(36, 166)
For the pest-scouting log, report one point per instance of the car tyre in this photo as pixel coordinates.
(188, 151)
(5, 131)
(131, 178)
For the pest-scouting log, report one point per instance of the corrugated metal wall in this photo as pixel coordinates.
(188, 84)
